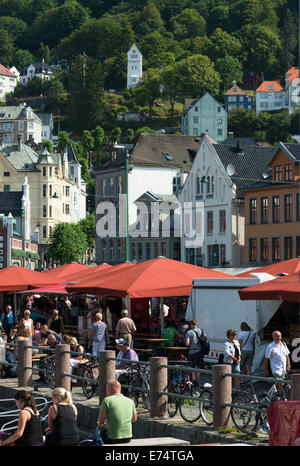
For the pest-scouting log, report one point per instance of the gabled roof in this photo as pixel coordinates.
(11, 202)
(16, 112)
(45, 158)
(236, 90)
(270, 86)
(6, 72)
(244, 140)
(46, 118)
(22, 160)
(165, 150)
(292, 150)
(189, 103)
(292, 73)
(250, 162)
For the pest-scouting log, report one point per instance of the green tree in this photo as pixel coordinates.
(88, 225)
(63, 140)
(48, 145)
(199, 75)
(14, 26)
(6, 47)
(86, 105)
(289, 38)
(87, 141)
(242, 122)
(22, 59)
(116, 134)
(149, 89)
(223, 44)
(171, 85)
(44, 53)
(279, 128)
(67, 244)
(129, 135)
(188, 23)
(98, 135)
(56, 93)
(230, 69)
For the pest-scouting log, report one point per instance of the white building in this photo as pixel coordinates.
(8, 82)
(134, 66)
(270, 95)
(39, 69)
(292, 87)
(47, 125)
(216, 180)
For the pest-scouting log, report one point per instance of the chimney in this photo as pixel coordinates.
(231, 135)
(239, 147)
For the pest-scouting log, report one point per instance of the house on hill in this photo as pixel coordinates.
(235, 97)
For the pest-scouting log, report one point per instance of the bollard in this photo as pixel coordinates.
(295, 387)
(62, 366)
(24, 360)
(107, 371)
(158, 383)
(222, 387)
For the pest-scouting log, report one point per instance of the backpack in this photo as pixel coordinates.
(204, 342)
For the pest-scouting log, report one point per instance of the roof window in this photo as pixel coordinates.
(168, 156)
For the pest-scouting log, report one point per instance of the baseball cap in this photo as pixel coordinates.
(121, 342)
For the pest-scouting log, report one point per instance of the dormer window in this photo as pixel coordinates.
(271, 87)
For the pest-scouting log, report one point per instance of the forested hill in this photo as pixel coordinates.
(248, 36)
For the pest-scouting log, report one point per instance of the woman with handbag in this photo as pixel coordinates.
(232, 354)
(246, 340)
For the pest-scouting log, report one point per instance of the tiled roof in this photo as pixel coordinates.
(266, 87)
(292, 148)
(236, 90)
(291, 74)
(249, 163)
(245, 141)
(24, 159)
(165, 150)
(6, 72)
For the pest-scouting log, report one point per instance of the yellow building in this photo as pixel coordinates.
(57, 191)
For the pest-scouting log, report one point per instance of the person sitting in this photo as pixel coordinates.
(125, 352)
(37, 333)
(120, 413)
(170, 333)
(45, 334)
(29, 432)
(62, 427)
(77, 348)
(12, 337)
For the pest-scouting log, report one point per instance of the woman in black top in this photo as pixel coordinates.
(56, 323)
(62, 420)
(29, 432)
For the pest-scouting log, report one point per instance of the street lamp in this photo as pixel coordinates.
(127, 207)
(55, 196)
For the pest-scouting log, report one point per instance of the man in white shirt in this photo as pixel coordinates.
(277, 355)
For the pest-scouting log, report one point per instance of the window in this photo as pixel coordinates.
(50, 231)
(222, 221)
(210, 255)
(276, 209)
(6, 188)
(195, 120)
(50, 190)
(119, 250)
(275, 249)
(264, 250)
(220, 132)
(298, 207)
(50, 171)
(50, 210)
(44, 211)
(264, 209)
(288, 172)
(270, 87)
(111, 250)
(133, 252)
(44, 190)
(278, 173)
(196, 109)
(67, 209)
(44, 171)
(21, 125)
(44, 231)
(288, 208)
(297, 246)
(219, 109)
(157, 249)
(118, 185)
(190, 255)
(219, 121)
(252, 211)
(223, 254)
(288, 248)
(164, 249)
(103, 250)
(140, 251)
(148, 251)
(6, 173)
(111, 186)
(68, 191)
(252, 250)
(210, 222)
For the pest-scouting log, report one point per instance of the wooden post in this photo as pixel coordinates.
(62, 365)
(222, 387)
(107, 371)
(158, 383)
(24, 363)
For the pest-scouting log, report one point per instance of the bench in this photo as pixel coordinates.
(152, 442)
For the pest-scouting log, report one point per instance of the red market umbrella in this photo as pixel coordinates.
(286, 288)
(86, 273)
(95, 276)
(288, 267)
(65, 270)
(51, 289)
(18, 278)
(153, 278)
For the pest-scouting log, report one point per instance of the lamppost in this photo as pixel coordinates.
(127, 207)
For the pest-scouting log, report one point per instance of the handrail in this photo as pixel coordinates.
(258, 378)
(129, 361)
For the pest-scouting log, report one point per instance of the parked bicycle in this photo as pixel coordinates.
(132, 380)
(250, 411)
(182, 385)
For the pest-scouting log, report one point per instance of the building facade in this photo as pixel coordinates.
(272, 210)
(8, 82)
(47, 126)
(134, 66)
(156, 163)
(58, 193)
(39, 69)
(270, 95)
(204, 115)
(19, 123)
(218, 173)
(235, 97)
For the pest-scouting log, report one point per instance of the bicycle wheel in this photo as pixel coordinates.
(206, 408)
(243, 419)
(173, 402)
(146, 395)
(48, 373)
(89, 386)
(190, 409)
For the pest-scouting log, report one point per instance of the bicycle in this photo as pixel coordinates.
(131, 380)
(89, 370)
(48, 371)
(247, 419)
(206, 407)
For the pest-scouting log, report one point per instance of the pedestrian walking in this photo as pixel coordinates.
(232, 354)
(277, 361)
(99, 335)
(125, 328)
(246, 339)
(194, 342)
